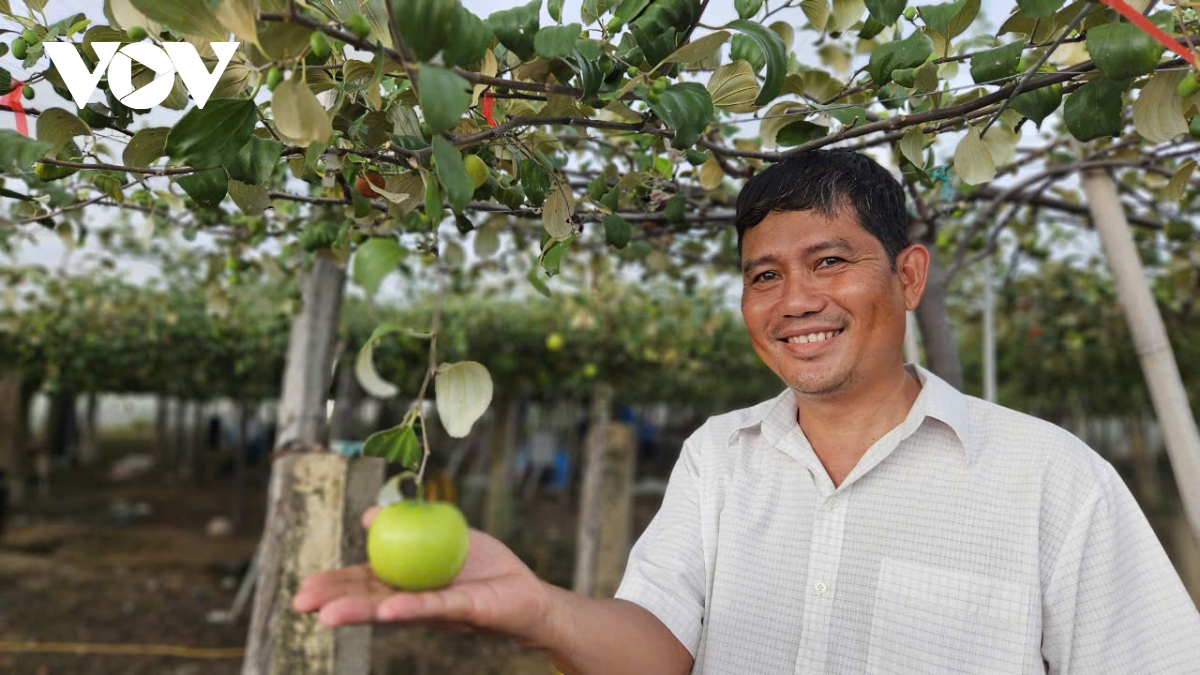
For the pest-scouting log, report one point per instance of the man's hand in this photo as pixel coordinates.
(495, 592)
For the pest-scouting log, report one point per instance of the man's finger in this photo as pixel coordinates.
(354, 574)
(368, 516)
(349, 610)
(447, 605)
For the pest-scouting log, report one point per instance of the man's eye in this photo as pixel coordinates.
(826, 262)
(766, 276)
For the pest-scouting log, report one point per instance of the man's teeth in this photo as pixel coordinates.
(813, 337)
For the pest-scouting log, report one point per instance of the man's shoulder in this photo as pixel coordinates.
(717, 429)
(1013, 437)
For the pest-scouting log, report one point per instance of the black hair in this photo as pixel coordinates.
(827, 181)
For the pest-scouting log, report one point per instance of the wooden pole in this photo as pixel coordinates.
(590, 506)
(14, 464)
(497, 512)
(1150, 339)
(615, 533)
(314, 500)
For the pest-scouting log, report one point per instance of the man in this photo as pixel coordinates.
(869, 519)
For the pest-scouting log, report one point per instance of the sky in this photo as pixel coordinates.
(47, 249)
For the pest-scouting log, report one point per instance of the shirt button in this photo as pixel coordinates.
(821, 587)
(833, 503)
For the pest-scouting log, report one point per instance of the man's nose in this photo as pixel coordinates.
(802, 297)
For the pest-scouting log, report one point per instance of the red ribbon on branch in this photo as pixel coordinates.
(1153, 31)
(13, 100)
(486, 103)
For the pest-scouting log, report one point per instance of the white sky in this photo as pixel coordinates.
(47, 249)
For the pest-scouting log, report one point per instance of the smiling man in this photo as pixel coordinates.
(869, 519)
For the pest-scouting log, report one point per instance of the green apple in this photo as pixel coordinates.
(416, 545)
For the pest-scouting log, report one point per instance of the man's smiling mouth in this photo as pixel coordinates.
(818, 336)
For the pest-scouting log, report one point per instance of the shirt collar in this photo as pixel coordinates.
(776, 417)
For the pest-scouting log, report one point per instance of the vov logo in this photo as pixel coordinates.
(165, 61)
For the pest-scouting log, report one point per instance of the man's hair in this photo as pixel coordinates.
(827, 181)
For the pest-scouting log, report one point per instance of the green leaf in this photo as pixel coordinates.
(973, 161)
(700, 48)
(452, 174)
(995, 64)
(535, 180)
(552, 258)
(907, 53)
(186, 16)
(364, 363)
(463, 392)
(1176, 188)
(1094, 110)
(375, 259)
(845, 14)
(146, 147)
(776, 53)
(1122, 50)
(590, 71)
(733, 87)
(425, 25)
(799, 133)
(213, 135)
(255, 161)
(747, 9)
(616, 231)
(745, 49)
(886, 11)
(817, 12)
(950, 18)
(1158, 110)
(516, 28)
(627, 11)
(912, 146)
(1040, 103)
(399, 445)
(444, 97)
(687, 108)
(555, 42)
(556, 216)
(208, 188)
(18, 151)
(57, 127)
(253, 200)
(472, 38)
(554, 8)
(299, 116)
(1040, 9)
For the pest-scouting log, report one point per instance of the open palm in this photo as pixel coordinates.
(495, 591)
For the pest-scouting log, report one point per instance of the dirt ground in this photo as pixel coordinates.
(129, 563)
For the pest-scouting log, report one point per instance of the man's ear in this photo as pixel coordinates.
(912, 266)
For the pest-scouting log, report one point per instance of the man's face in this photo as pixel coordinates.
(822, 305)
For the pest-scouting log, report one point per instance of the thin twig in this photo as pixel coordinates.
(434, 326)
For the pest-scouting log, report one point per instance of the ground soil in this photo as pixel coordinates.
(87, 567)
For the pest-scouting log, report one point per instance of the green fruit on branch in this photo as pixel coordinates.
(30, 37)
(910, 13)
(136, 33)
(27, 92)
(318, 44)
(274, 77)
(20, 48)
(476, 169)
(416, 545)
(1188, 85)
(554, 341)
(357, 23)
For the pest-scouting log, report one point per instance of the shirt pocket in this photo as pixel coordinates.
(929, 619)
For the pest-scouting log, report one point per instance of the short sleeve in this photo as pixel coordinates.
(1114, 603)
(665, 572)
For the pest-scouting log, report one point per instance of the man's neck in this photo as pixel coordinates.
(841, 429)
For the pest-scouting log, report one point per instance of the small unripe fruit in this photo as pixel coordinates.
(476, 170)
(20, 48)
(1188, 85)
(27, 92)
(318, 45)
(274, 77)
(554, 342)
(136, 33)
(660, 85)
(30, 37)
(910, 13)
(357, 23)
(366, 183)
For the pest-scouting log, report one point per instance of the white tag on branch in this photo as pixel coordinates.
(464, 391)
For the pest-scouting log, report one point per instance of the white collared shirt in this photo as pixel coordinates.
(969, 539)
